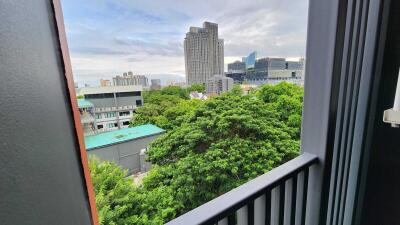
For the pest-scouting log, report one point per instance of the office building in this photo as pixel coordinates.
(237, 67)
(238, 78)
(250, 60)
(130, 79)
(295, 65)
(218, 84)
(108, 108)
(204, 53)
(155, 84)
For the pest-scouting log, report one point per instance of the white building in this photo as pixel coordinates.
(219, 84)
(130, 79)
(204, 53)
(108, 108)
(197, 95)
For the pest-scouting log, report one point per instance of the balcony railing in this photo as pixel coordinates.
(277, 197)
(87, 118)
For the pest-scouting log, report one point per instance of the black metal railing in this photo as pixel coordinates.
(277, 197)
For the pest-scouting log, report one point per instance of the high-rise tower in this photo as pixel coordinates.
(204, 53)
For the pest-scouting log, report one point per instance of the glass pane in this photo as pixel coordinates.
(213, 90)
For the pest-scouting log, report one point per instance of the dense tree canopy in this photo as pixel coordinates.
(210, 147)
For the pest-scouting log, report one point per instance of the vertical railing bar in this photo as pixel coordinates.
(281, 202)
(223, 221)
(250, 213)
(305, 190)
(232, 219)
(294, 197)
(268, 207)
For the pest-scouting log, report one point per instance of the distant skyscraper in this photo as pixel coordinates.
(130, 79)
(204, 53)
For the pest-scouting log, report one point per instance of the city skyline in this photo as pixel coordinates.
(106, 38)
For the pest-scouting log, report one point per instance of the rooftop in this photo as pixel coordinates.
(109, 89)
(82, 103)
(123, 135)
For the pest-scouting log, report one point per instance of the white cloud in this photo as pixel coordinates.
(109, 37)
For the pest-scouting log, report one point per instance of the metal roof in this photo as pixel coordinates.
(123, 135)
(82, 103)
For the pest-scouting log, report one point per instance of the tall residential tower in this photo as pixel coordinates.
(204, 53)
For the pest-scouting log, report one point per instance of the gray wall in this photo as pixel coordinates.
(103, 102)
(125, 154)
(122, 101)
(41, 177)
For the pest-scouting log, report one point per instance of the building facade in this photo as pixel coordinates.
(250, 60)
(130, 79)
(218, 84)
(155, 84)
(87, 116)
(112, 107)
(204, 53)
(237, 67)
(104, 83)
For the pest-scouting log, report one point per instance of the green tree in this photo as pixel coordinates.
(210, 147)
(197, 87)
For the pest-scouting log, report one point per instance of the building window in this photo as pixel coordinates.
(100, 126)
(139, 102)
(110, 115)
(99, 96)
(111, 125)
(125, 123)
(128, 94)
(124, 113)
(98, 116)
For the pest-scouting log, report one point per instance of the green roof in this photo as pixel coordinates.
(82, 103)
(123, 135)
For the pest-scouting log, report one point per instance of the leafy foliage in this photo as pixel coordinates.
(210, 148)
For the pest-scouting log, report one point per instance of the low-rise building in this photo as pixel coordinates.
(130, 79)
(88, 121)
(218, 84)
(104, 83)
(111, 106)
(126, 147)
(155, 84)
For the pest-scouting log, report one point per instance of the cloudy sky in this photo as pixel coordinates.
(108, 37)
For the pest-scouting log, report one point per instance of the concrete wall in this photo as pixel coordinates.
(123, 101)
(102, 102)
(41, 175)
(110, 102)
(126, 154)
